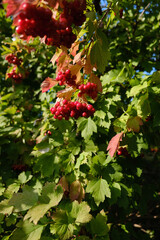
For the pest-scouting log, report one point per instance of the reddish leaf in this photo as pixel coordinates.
(134, 123)
(114, 144)
(51, 3)
(47, 84)
(14, 6)
(64, 184)
(76, 191)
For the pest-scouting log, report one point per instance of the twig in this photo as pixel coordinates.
(106, 12)
(148, 5)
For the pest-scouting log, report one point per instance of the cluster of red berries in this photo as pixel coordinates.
(38, 21)
(72, 109)
(90, 89)
(48, 132)
(66, 78)
(19, 167)
(34, 21)
(13, 59)
(17, 77)
(73, 12)
(123, 151)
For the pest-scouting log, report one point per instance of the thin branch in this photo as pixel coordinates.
(148, 5)
(105, 14)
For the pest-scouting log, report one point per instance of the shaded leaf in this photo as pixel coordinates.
(25, 200)
(27, 231)
(98, 226)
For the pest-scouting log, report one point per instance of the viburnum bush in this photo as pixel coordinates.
(79, 120)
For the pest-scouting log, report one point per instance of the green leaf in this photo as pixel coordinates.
(115, 192)
(87, 127)
(27, 231)
(25, 200)
(13, 188)
(5, 208)
(137, 89)
(80, 212)
(156, 77)
(114, 76)
(24, 177)
(67, 221)
(62, 227)
(11, 110)
(99, 189)
(98, 56)
(143, 107)
(98, 226)
(50, 199)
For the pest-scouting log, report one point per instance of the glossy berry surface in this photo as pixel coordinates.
(68, 109)
(66, 78)
(90, 89)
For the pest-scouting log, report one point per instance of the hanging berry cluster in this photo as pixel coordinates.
(66, 78)
(38, 21)
(13, 59)
(15, 75)
(66, 109)
(73, 12)
(90, 89)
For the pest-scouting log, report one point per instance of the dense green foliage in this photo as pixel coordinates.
(63, 184)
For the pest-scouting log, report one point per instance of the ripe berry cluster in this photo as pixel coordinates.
(73, 12)
(72, 109)
(19, 167)
(123, 151)
(13, 59)
(38, 21)
(34, 21)
(17, 77)
(66, 78)
(90, 89)
(48, 132)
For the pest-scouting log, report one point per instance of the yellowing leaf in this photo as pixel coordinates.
(134, 123)
(56, 55)
(66, 93)
(74, 48)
